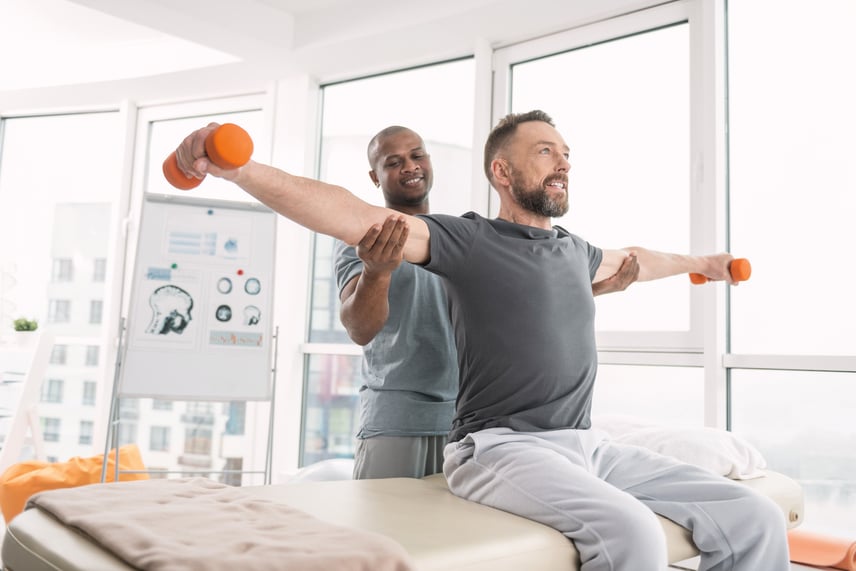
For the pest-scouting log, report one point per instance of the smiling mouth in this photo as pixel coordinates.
(559, 184)
(414, 181)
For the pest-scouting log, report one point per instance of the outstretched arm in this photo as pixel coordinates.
(322, 207)
(365, 299)
(654, 265)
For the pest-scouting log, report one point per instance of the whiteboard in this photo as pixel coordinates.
(199, 323)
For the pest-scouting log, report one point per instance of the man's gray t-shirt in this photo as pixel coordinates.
(522, 310)
(409, 369)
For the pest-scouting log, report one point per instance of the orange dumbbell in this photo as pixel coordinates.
(228, 147)
(740, 270)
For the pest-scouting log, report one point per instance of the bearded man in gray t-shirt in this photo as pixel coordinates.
(398, 313)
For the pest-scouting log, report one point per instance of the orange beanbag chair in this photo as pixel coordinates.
(22, 480)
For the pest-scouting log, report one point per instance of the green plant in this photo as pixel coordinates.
(24, 324)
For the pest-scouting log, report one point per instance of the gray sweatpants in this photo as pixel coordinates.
(398, 456)
(604, 495)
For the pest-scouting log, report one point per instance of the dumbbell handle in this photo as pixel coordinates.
(739, 268)
(228, 146)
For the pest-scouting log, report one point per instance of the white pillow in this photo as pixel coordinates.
(719, 451)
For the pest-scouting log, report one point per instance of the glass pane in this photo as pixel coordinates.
(56, 216)
(330, 408)
(623, 108)
(802, 422)
(166, 135)
(441, 111)
(672, 396)
(792, 175)
(189, 438)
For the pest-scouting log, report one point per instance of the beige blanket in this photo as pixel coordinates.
(199, 524)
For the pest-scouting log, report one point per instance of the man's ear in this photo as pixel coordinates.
(501, 171)
(374, 178)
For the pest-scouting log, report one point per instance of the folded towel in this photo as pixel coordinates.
(194, 524)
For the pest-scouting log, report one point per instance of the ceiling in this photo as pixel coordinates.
(58, 44)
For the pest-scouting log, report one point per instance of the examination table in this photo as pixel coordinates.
(437, 531)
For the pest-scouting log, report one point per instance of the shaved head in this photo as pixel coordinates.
(377, 140)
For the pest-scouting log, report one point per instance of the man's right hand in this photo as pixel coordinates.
(382, 248)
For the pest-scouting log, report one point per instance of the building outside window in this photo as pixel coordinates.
(63, 270)
(159, 404)
(89, 390)
(59, 355)
(197, 441)
(52, 390)
(92, 352)
(51, 429)
(96, 308)
(127, 433)
(236, 417)
(59, 311)
(87, 428)
(99, 270)
(159, 438)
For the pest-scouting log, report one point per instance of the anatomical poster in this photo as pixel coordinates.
(199, 322)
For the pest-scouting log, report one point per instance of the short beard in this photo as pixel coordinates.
(537, 200)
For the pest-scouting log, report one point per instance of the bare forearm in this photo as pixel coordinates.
(655, 265)
(319, 206)
(365, 311)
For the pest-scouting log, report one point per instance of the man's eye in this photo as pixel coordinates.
(392, 164)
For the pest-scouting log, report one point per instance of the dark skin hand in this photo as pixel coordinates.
(626, 275)
(365, 305)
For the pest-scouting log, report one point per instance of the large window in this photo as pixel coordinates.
(54, 202)
(792, 199)
(803, 424)
(56, 222)
(620, 95)
(660, 395)
(435, 101)
(792, 175)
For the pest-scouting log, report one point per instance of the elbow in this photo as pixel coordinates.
(357, 332)
(359, 338)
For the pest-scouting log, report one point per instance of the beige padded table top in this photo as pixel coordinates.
(440, 531)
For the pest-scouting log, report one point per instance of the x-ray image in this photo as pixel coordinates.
(223, 313)
(252, 315)
(253, 286)
(171, 307)
(224, 285)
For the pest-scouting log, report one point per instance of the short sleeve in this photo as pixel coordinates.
(452, 239)
(347, 264)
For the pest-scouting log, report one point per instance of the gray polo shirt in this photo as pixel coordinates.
(409, 370)
(522, 309)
